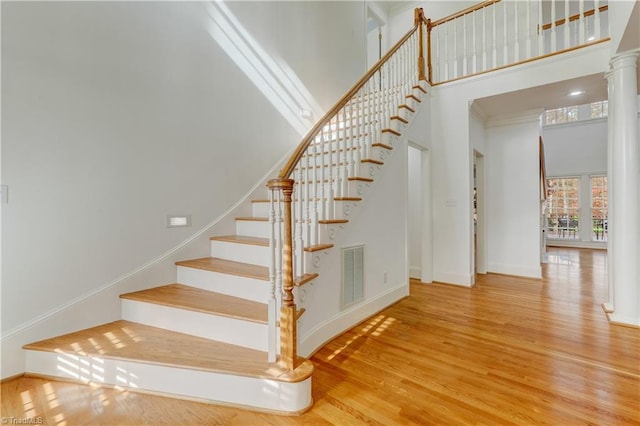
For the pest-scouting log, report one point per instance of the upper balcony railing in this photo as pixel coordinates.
(500, 33)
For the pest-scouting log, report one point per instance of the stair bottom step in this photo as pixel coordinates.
(151, 359)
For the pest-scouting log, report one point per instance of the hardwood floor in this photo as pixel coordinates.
(508, 351)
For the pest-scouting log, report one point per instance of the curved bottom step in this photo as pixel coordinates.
(149, 359)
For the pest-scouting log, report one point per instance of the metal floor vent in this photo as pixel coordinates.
(352, 275)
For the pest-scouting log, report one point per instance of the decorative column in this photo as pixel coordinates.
(608, 305)
(624, 201)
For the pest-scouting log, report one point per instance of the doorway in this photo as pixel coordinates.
(479, 246)
(419, 212)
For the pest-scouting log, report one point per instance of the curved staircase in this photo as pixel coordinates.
(211, 335)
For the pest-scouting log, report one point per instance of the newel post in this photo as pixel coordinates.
(288, 332)
(418, 22)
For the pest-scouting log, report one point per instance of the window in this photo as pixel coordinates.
(599, 212)
(561, 115)
(563, 208)
(599, 109)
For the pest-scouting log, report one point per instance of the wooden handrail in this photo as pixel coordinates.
(463, 12)
(287, 170)
(575, 17)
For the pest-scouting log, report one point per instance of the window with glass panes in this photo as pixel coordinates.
(599, 208)
(563, 208)
(599, 109)
(561, 115)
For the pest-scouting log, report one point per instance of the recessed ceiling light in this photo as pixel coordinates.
(576, 93)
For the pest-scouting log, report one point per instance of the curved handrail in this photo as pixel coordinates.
(286, 171)
(466, 11)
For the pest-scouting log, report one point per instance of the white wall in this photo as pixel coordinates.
(452, 149)
(380, 224)
(415, 210)
(513, 201)
(116, 114)
(576, 148)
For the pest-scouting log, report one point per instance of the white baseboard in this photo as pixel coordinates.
(344, 320)
(465, 280)
(517, 270)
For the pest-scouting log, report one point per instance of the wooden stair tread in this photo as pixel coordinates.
(407, 107)
(394, 132)
(199, 300)
(260, 201)
(397, 117)
(230, 267)
(414, 97)
(370, 160)
(131, 341)
(330, 221)
(253, 218)
(382, 145)
(302, 280)
(318, 247)
(242, 239)
(361, 179)
(347, 198)
(419, 87)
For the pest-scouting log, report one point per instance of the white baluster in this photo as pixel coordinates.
(554, 41)
(540, 30)
(323, 175)
(516, 29)
(436, 67)
(495, 37)
(474, 58)
(316, 192)
(528, 4)
(352, 137)
(455, 49)
(581, 24)
(567, 29)
(298, 218)
(505, 47)
(484, 38)
(329, 200)
(596, 19)
(464, 46)
(446, 51)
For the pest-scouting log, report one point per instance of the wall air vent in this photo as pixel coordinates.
(352, 275)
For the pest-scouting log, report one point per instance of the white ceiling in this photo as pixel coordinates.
(549, 96)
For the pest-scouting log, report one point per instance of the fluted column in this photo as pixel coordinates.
(624, 148)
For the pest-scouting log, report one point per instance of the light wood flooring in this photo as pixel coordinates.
(508, 351)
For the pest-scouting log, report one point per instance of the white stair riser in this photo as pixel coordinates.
(224, 329)
(380, 153)
(358, 188)
(253, 228)
(232, 285)
(389, 138)
(345, 209)
(176, 382)
(246, 253)
(260, 209)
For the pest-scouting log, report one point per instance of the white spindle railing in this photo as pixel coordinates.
(507, 31)
(321, 167)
